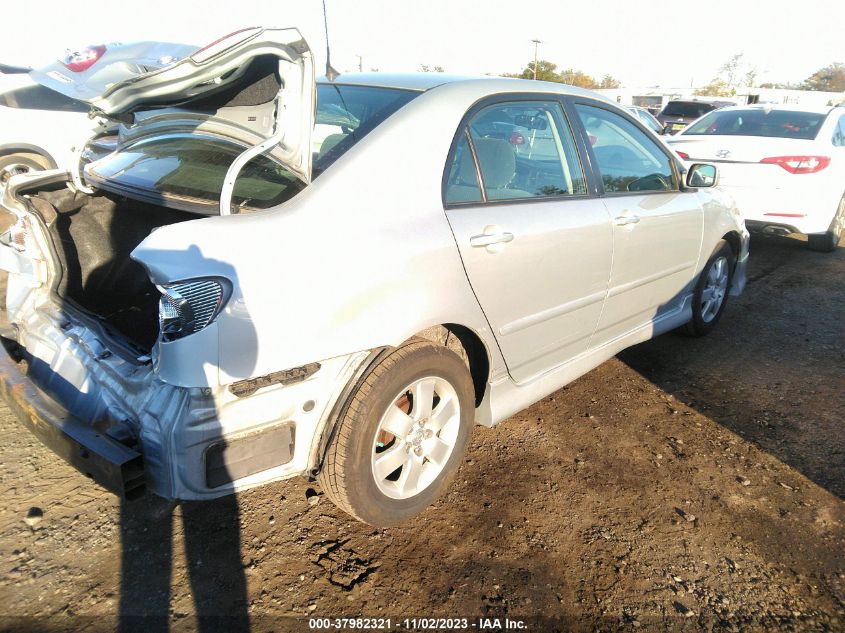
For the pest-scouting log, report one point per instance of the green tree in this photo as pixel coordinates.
(577, 78)
(424, 68)
(716, 88)
(609, 81)
(546, 71)
(828, 79)
(732, 75)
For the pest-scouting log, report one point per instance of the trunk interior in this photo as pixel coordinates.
(93, 236)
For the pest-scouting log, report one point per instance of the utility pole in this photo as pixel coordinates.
(360, 63)
(536, 44)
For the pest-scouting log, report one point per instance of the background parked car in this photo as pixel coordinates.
(42, 128)
(676, 115)
(647, 118)
(39, 127)
(785, 166)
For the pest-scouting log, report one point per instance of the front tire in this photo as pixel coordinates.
(828, 241)
(711, 291)
(401, 436)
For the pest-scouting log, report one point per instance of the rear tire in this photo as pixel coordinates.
(711, 291)
(828, 241)
(423, 392)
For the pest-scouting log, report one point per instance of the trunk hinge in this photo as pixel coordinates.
(244, 158)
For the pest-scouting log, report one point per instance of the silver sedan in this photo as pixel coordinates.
(273, 276)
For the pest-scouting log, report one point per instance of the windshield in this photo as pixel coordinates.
(192, 167)
(686, 109)
(760, 122)
(346, 114)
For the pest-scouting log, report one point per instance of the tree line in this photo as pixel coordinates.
(732, 76)
(735, 75)
(547, 71)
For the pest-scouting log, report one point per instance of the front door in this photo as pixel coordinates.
(536, 247)
(657, 228)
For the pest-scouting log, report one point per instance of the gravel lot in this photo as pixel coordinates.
(686, 484)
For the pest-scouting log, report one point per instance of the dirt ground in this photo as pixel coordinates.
(685, 485)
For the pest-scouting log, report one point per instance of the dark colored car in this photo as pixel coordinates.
(676, 115)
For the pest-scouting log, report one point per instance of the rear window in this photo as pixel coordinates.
(759, 122)
(686, 109)
(187, 170)
(346, 114)
(191, 168)
(41, 98)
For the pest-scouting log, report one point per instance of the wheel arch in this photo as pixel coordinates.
(461, 339)
(7, 149)
(467, 344)
(735, 242)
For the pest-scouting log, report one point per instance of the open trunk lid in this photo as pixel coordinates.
(248, 67)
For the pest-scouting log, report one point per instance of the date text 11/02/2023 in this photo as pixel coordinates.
(418, 624)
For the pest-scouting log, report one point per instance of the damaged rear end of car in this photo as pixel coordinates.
(112, 329)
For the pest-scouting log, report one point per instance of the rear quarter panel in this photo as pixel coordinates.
(363, 258)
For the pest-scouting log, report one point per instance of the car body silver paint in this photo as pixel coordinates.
(325, 277)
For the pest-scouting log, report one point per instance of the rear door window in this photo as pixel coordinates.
(628, 160)
(463, 176)
(522, 149)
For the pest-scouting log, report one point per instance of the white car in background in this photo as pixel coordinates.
(784, 166)
(39, 128)
(42, 128)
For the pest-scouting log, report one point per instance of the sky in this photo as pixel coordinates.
(639, 43)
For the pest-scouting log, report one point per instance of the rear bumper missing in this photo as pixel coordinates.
(116, 467)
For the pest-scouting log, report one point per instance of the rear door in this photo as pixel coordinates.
(535, 244)
(657, 228)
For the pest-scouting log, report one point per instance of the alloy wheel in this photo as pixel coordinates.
(415, 437)
(715, 289)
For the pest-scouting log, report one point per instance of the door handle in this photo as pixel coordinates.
(488, 239)
(624, 220)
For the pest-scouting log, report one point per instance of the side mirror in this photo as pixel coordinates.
(702, 175)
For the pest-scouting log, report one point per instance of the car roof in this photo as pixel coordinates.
(426, 81)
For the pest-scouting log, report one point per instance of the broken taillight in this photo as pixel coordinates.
(20, 235)
(80, 61)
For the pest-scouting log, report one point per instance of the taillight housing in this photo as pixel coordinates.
(80, 61)
(683, 155)
(799, 164)
(189, 306)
